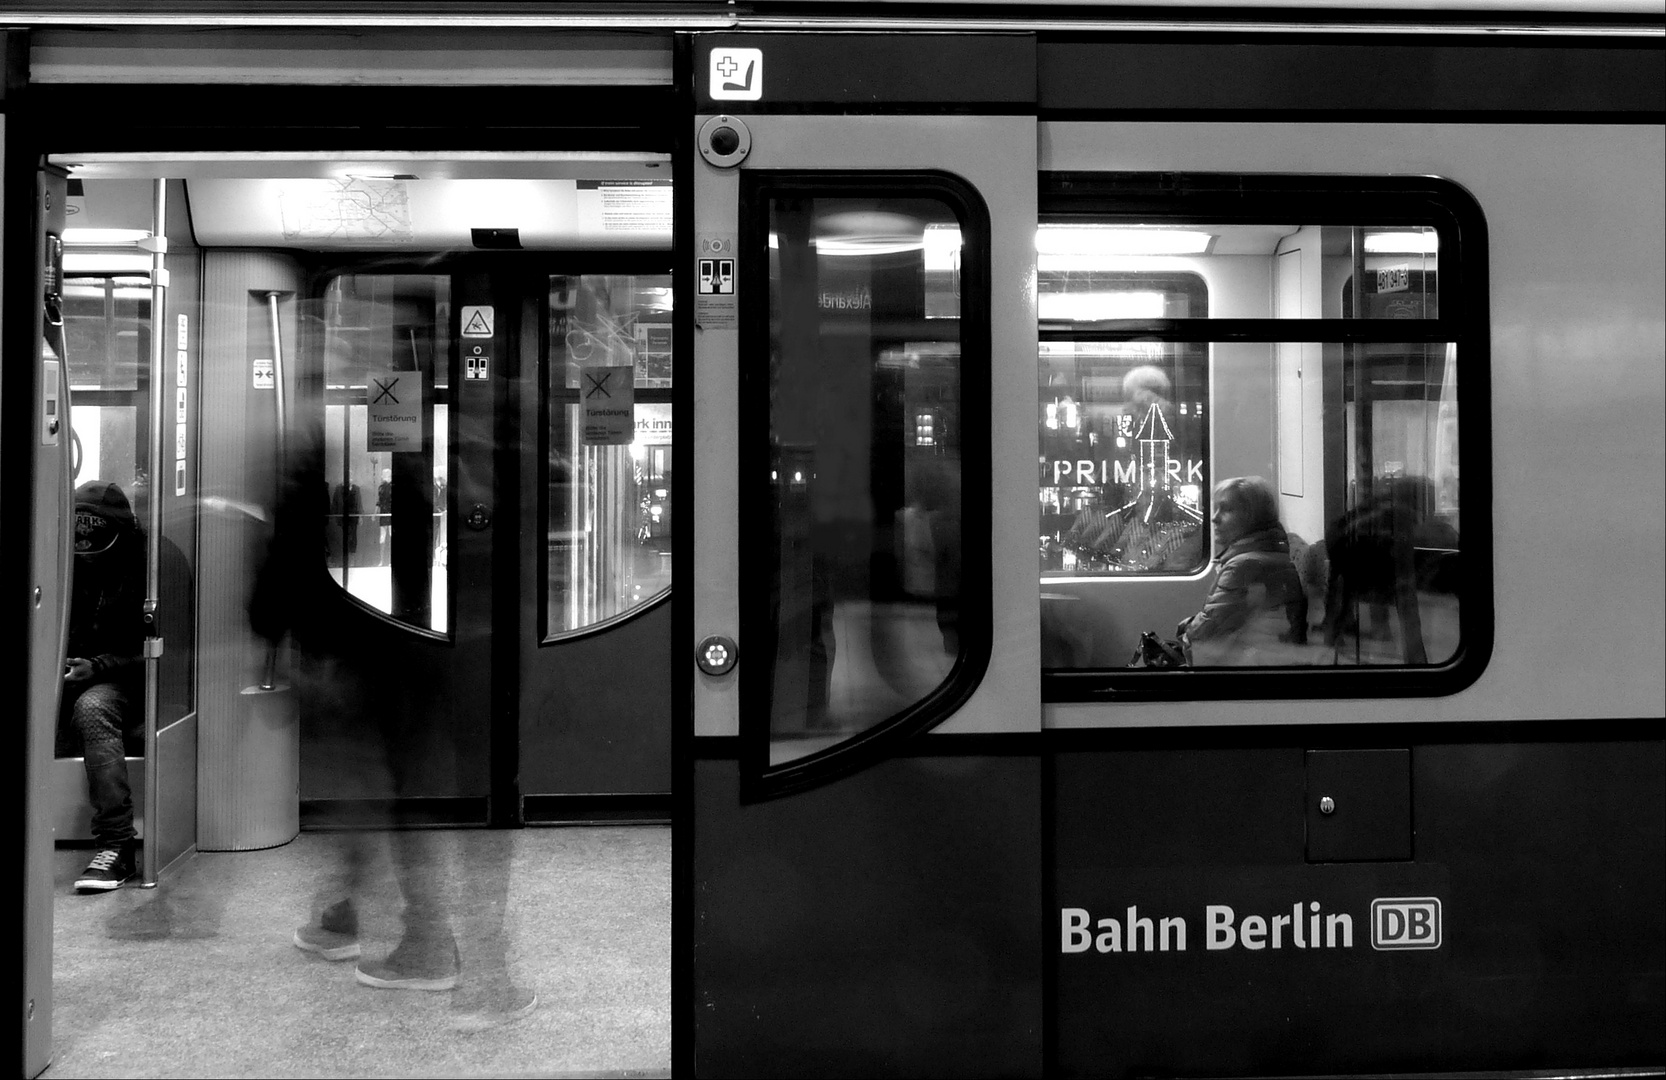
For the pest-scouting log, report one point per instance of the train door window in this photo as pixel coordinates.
(609, 515)
(379, 332)
(857, 459)
(1251, 433)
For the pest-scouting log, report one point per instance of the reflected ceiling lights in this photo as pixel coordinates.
(1119, 240)
(1420, 242)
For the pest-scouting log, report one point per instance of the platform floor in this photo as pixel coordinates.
(199, 977)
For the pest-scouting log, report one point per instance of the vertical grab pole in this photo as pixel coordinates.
(270, 679)
(158, 247)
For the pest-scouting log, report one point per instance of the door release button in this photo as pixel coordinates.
(478, 517)
(716, 654)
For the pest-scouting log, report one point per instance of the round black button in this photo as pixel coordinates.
(725, 141)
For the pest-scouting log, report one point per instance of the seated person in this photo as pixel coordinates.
(1256, 611)
(103, 701)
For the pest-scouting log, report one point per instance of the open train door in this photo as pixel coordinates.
(865, 872)
(36, 474)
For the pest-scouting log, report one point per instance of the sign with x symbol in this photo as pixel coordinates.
(609, 399)
(393, 401)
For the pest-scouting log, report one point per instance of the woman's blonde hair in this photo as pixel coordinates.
(1255, 496)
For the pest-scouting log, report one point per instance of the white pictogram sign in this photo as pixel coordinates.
(717, 277)
(263, 377)
(477, 320)
(737, 74)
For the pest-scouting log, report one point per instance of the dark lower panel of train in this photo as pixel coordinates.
(1464, 907)
(1526, 931)
(883, 925)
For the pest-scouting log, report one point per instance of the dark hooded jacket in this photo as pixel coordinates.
(1256, 612)
(106, 621)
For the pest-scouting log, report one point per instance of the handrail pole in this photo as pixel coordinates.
(153, 538)
(269, 678)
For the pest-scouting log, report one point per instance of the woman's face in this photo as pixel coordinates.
(1230, 520)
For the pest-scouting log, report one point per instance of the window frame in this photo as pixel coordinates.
(1461, 319)
(759, 780)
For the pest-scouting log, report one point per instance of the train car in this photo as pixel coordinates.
(1160, 576)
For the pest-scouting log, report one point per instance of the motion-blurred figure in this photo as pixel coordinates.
(1373, 564)
(384, 744)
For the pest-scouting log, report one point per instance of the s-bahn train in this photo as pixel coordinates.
(1164, 570)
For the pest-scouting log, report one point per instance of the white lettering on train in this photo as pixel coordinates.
(1307, 926)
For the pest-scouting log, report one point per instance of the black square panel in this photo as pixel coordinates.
(1358, 805)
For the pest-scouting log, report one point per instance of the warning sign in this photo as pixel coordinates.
(477, 320)
(609, 405)
(263, 378)
(394, 400)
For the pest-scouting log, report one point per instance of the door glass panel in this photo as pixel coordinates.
(864, 520)
(608, 486)
(386, 476)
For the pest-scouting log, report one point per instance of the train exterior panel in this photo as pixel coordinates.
(958, 346)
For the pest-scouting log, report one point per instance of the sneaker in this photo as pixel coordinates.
(410, 967)
(482, 1010)
(327, 943)
(335, 936)
(107, 871)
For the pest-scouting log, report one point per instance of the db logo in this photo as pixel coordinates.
(1405, 922)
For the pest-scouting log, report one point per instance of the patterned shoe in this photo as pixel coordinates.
(108, 869)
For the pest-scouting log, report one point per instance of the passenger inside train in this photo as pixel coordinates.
(102, 710)
(1256, 605)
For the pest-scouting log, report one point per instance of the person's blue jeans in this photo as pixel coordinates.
(103, 715)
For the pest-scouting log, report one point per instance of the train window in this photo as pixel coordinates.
(1250, 439)
(609, 491)
(107, 346)
(858, 519)
(386, 531)
(106, 329)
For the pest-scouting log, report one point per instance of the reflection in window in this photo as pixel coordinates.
(107, 332)
(1341, 455)
(865, 469)
(105, 445)
(609, 529)
(386, 531)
